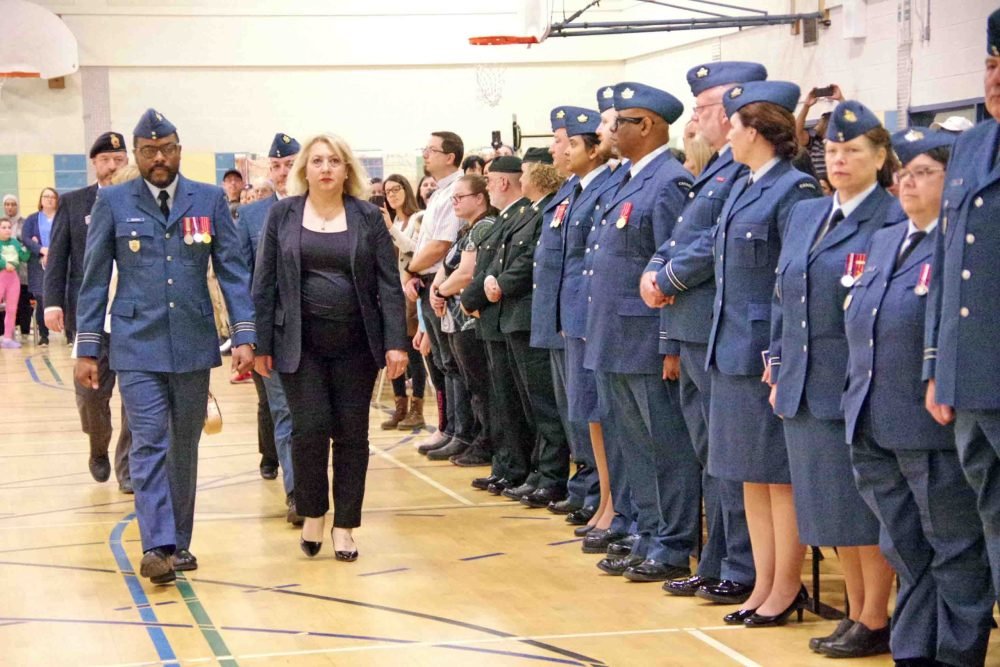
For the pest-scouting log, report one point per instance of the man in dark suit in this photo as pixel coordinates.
(63, 277)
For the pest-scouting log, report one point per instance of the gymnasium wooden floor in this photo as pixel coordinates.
(447, 574)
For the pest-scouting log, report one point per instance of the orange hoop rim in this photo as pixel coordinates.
(20, 75)
(501, 40)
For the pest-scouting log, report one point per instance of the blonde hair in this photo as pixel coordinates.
(126, 173)
(356, 184)
(543, 176)
(698, 152)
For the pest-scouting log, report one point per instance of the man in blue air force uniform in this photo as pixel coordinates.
(961, 355)
(680, 279)
(274, 420)
(622, 340)
(161, 230)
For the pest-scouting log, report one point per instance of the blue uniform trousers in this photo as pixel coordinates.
(583, 488)
(931, 535)
(281, 417)
(662, 471)
(166, 412)
(726, 554)
(977, 436)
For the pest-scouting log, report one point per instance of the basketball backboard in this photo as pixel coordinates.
(36, 42)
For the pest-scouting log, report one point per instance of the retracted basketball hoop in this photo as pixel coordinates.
(532, 22)
(40, 46)
(500, 40)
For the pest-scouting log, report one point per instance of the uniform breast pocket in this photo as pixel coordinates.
(748, 245)
(856, 295)
(134, 243)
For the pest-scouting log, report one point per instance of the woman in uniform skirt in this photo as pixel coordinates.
(822, 257)
(746, 443)
(905, 463)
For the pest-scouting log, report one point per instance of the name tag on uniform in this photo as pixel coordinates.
(132, 219)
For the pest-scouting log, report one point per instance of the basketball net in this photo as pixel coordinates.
(489, 83)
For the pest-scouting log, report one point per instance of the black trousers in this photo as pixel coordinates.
(95, 417)
(24, 312)
(416, 372)
(471, 356)
(328, 397)
(533, 375)
(512, 434)
(265, 425)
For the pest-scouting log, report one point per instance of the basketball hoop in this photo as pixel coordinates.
(501, 40)
(489, 82)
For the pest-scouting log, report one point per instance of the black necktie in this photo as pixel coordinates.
(830, 225)
(715, 156)
(163, 197)
(628, 177)
(912, 241)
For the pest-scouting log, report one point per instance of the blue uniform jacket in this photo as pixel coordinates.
(251, 225)
(547, 272)
(748, 241)
(884, 319)
(584, 211)
(162, 314)
(961, 351)
(808, 349)
(622, 331)
(685, 264)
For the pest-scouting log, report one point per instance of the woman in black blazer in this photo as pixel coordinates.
(330, 313)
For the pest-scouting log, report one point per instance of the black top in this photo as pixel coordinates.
(327, 280)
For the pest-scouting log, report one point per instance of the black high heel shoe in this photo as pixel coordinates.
(738, 617)
(797, 605)
(345, 556)
(309, 548)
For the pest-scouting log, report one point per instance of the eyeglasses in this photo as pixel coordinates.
(918, 174)
(457, 198)
(168, 150)
(393, 191)
(431, 149)
(625, 119)
(701, 108)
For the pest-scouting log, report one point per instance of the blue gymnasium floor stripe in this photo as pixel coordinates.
(156, 634)
(556, 544)
(38, 380)
(372, 574)
(468, 558)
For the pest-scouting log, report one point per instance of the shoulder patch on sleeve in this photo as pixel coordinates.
(686, 185)
(807, 185)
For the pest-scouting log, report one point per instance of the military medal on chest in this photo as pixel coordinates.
(557, 219)
(188, 230)
(623, 216)
(924, 281)
(205, 224)
(854, 266)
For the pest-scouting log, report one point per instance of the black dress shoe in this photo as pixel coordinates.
(858, 642)
(685, 587)
(518, 492)
(797, 605)
(483, 483)
(472, 458)
(583, 531)
(309, 548)
(157, 565)
(842, 627)
(597, 541)
(345, 556)
(565, 506)
(269, 470)
(499, 486)
(623, 546)
(126, 487)
(454, 448)
(725, 592)
(100, 468)
(581, 516)
(654, 570)
(617, 566)
(543, 497)
(738, 617)
(184, 561)
(440, 440)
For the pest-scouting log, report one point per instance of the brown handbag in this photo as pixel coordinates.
(213, 416)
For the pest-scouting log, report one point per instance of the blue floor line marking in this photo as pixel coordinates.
(429, 515)
(497, 553)
(38, 380)
(156, 634)
(529, 518)
(372, 574)
(576, 539)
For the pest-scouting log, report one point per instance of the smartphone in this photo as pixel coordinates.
(496, 141)
(825, 91)
(378, 200)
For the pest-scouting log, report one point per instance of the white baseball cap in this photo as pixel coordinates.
(953, 124)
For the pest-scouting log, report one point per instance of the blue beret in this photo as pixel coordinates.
(537, 155)
(558, 118)
(850, 120)
(632, 95)
(283, 146)
(993, 34)
(605, 98)
(784, 94)
(710, 75)
(153, 125)
(109, 142)
(581, 121)
(914, 141)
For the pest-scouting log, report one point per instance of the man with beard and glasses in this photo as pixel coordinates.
(161, 231)
(63, 277)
